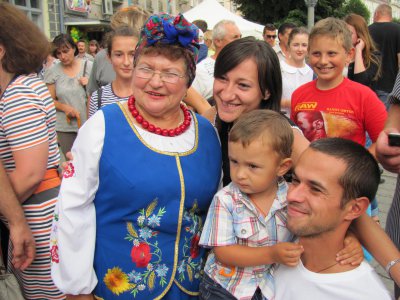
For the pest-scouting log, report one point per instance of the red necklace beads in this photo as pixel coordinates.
(157, 130)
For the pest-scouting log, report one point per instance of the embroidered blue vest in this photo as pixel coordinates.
(150, 210)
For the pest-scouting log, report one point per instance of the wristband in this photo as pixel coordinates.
(390, 265)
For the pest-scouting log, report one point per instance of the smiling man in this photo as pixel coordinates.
(329, 191)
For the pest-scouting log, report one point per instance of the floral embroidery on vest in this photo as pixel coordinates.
(191, 247)
(144, 249)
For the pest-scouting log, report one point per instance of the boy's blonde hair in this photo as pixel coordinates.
(263, 123)
(333, 28)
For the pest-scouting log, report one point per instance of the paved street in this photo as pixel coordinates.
(385, 195)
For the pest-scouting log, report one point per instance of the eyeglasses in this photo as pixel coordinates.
(147, 73)
(270, 36)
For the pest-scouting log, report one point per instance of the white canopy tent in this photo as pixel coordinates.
(212, 12)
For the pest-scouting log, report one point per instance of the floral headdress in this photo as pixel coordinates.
(166, 29)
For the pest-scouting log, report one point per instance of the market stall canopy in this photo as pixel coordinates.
(212, 12)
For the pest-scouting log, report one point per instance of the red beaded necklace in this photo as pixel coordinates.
(157, 130)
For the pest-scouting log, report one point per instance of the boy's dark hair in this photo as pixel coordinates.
(269, 126)
(362, 175)
(334, 28)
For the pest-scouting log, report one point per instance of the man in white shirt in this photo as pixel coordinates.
(282, 48)
(333, 183)
(224, 32)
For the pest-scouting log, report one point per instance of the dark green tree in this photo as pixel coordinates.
(356, 7)
(279, 11)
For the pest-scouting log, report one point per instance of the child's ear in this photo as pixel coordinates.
(350, 55)
(285, 166)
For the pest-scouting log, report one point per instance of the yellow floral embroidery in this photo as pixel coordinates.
(117, 281)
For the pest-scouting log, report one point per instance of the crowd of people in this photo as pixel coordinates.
(244, 171)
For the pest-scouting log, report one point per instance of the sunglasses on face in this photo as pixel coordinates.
(270, 36)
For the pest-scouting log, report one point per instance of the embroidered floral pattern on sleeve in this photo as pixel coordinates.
(53, 240)
(188, 265)
(145, 253)
(69, 170)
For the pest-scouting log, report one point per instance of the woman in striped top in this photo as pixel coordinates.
(28, 141)
(120, 50)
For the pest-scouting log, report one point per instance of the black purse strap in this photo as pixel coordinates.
(84, 68)
(84, 72)
(99, 93)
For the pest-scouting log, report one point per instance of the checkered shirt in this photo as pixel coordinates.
(233, 219)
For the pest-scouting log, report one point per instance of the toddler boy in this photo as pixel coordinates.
(246, 222)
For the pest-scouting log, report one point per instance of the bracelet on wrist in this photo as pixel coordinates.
(390, 265)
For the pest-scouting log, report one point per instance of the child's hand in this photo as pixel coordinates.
(352, 252)
(287, 253)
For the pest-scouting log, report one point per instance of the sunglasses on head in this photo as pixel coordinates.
(270, 36)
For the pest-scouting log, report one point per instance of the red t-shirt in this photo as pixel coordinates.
(347, 111)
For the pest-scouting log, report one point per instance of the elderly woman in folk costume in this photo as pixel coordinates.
(133, 201)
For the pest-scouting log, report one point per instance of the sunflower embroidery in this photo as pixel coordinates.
(117, 281)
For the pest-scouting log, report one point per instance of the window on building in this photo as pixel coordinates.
(32, 8)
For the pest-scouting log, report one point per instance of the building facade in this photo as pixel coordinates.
(90, 19)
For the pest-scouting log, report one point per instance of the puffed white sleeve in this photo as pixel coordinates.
(73, 235)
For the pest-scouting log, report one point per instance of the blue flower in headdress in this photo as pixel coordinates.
(168, 30)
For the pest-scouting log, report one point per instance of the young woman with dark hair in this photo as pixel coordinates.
(247, 77)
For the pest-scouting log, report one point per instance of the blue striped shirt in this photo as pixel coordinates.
(107, 97)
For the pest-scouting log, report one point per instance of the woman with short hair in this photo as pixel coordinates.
(28, 140)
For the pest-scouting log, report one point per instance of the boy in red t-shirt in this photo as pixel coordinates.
(345, 108)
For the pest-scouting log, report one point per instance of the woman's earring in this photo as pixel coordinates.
(266, 95)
